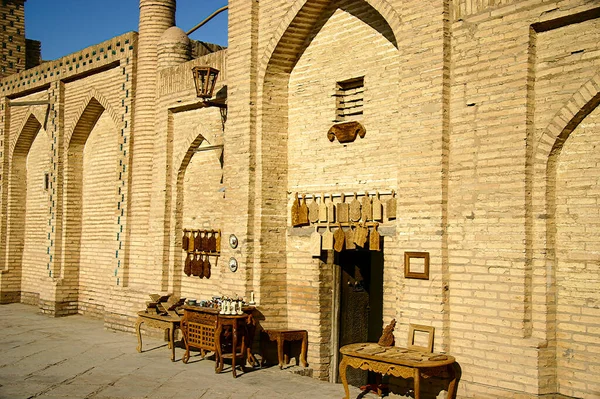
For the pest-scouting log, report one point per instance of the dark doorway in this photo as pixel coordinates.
(361, 303)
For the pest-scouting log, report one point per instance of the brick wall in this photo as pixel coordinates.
(482, 116)
(12, 35)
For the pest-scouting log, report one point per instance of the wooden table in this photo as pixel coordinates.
(398, 362)
(204, 328)
(281, 336)
(167, 323)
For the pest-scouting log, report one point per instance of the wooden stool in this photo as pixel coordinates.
(281, 336)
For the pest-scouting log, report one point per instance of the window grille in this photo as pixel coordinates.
(349, 99)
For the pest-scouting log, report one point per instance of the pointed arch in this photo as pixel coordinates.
(292, 35)
(27, 133)
(580, 105)
(92, 107)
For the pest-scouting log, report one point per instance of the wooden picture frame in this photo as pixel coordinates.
(417, 269)
(430, 331)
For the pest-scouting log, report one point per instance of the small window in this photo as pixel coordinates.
(46, 181)
(18, 48)
(10, 39)
(349, 99)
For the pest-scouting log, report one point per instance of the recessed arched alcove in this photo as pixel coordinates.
(565, 196)
(27, 215)
(90, 202)
(321, 44)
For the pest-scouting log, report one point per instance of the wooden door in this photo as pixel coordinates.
(361, 302)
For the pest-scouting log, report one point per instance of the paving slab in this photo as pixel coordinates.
(74, 357)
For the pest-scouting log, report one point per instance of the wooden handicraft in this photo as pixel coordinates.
(282, 336)
(387, 338)
(208, 330)
(169, 323)
(346, 132)
(419, 268)
(199, 246)
(399, 362)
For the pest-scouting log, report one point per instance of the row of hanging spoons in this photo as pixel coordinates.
(326, 211)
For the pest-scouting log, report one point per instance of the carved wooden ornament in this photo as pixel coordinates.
(346, 132)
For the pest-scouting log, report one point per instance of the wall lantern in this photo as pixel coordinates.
(205, 79)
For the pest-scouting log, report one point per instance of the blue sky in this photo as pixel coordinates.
(66, 26)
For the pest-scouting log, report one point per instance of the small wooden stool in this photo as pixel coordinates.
(281, 336)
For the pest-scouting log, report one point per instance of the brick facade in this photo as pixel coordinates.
(482, 117)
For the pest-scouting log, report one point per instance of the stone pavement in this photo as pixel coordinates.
(74, 358)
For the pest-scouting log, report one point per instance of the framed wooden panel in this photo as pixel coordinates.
(416, 265)
(413, 329)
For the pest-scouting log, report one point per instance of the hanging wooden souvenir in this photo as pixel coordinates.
(350, 238)
(201, 263)
(206, 267)
(303, 212)
(315, 244)
(327, 240)
(212, 242)
(191, 245)
(322, 209)
(218, 241)
(342, 209)
(205, 241)
(196, 265)
(187, 268)
(366, 208)
(330, 209)
(198, 241)
(355, 209)
(185, 240)
(295, 211)
(377, 208)
(390, 207)
(313, 210)
(374, 239)
(338, 239)
(360, 235)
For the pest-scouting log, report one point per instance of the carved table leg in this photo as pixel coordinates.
(304, 350)
(342, 371)
(417, 379)
(280, 351)
(186, 355)
(138, 323)
(172, 341)
(454, 372)
(218, 354)
(234, 349)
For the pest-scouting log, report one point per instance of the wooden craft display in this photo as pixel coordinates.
(199, 246)
(390, 207)
(377, 208)
(347, 225)
(355, 209)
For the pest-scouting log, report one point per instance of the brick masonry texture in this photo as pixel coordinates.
(481, 115)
